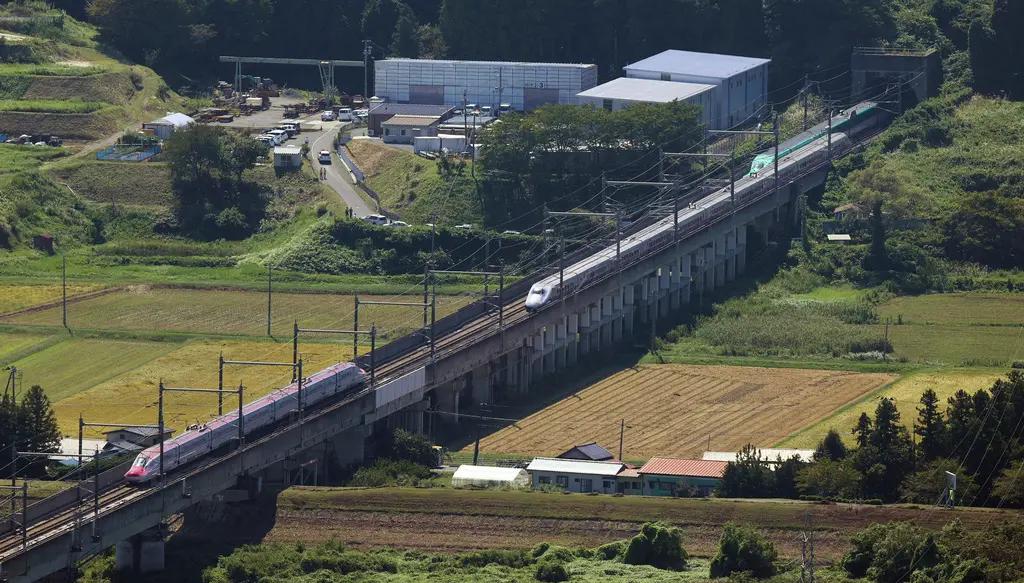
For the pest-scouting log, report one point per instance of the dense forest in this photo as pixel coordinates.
(181, 39)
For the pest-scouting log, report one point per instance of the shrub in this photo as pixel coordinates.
(340, 561)
(658, 545)
(611, 551)
(743, 549)
(551, 573)
(390, 473)
(514, 559)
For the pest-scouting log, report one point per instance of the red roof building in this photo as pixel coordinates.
(673, 477)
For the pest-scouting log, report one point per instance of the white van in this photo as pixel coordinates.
(345, 114)
(280, 136)
(378, 220)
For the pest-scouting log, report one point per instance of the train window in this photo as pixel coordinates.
(139, 461)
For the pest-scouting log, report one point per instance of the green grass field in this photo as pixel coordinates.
(907, 394)
(18, 158)
(121, 183)
(75, 365)
(946, 345)
(957, 309)
(50, 105)
(14, 345)
(234, 312)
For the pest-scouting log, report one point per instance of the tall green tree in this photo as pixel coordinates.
(748, 477)
(829, 479)
(39, 429)
(831, 447)
(930, 428)
(863, 430)
(405, 40)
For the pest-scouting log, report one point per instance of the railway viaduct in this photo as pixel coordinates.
(471, 356)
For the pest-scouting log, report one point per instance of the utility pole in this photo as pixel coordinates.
(270, 292)
(807, 549)
(804, 92)
(622, 433)
(64, 289)
(465, 116)
(828, 109)
(366, 71)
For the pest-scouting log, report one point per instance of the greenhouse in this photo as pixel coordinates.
(490, 477)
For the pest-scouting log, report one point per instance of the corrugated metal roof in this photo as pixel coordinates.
(770, 454)
(288, 150)
(629, 473)
(691, 468)
(591, 451)
(546, 464)
(409, 109)
(649, 90)
(412, 120)
(700, 64)
(494, 63)
(490, 473)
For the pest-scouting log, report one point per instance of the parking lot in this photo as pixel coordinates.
(267, 118)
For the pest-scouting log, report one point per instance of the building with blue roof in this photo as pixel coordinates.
(741, 83)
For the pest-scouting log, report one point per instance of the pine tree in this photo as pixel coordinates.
(8, 429)
(930, 428)
(863, 430)
(831, 448)
(40, 432)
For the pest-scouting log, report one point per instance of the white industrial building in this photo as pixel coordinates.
(524, 86)
(618, 93)
(741, 83)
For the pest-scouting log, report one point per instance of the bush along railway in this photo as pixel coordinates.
(538, 326)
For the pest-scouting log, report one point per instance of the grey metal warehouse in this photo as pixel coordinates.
(525, 86)
(741, 83)
(618, 93)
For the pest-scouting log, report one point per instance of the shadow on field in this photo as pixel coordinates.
(209, 530)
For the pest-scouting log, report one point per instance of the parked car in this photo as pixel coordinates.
(324, 157)
(511, 232)
(268, 140)
(398, 224)
(465, 227)
(327, 116)
(280, 136)
(292, 129)
(378, 220)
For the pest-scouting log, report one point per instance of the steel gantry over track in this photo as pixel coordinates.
(326, 68)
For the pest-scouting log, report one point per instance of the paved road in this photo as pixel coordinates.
(337, 176)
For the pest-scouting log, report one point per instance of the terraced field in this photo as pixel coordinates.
(681, 410)
(236, 312)
(20, 297)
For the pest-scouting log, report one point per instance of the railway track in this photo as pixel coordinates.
(81, 513)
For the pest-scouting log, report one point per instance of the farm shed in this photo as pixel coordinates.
(489, 477)
(587, 451)
(287, 157)
(164, 127)
(402, 129)
(666, 477)
(382, 112)
(576, 475)
(741, 83)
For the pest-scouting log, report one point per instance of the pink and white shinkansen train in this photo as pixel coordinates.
(265, 411)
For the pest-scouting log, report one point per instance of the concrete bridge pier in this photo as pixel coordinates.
(617, 317)
(707, 268)
(350, 446)
(480, 383)
(607, 315)
(629, 310)
(585, 331)
(572, 329)
(664, 287)
(720, 260)
(730, 256)
(741, 250)
(536, 357)
(141, 553)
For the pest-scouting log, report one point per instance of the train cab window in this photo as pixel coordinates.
(139, 462)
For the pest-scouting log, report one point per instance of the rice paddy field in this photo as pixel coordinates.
(131, 396)
(679, 410)
(907, 394)
(235, 312)
(20, 297)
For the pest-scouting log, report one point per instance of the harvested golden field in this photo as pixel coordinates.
(236, 312)
(675, 410)
(20, 297)
(907, 393)
(131, 397)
